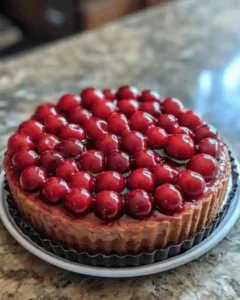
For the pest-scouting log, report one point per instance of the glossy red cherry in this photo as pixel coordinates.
(83, 180)
(47, 142)
(78, 201)
(50, 160)
(70, 148)
(205, 131)
(141, 121)
(66, 169)
(190, 119)
(152, 108)
(33, 129)
(127, 107)
(133, 141)
(118, 161)
(203, 164)
(209, 146)
(33, 178)
(44, 111)
(108, 144)
(182, 130)
(141, 179)
(190, 183)
(68, 102)
(164, 174)
(24, 159)
(55, 123)
(138, 204)
(103, 110)
(145, 159)
(96, 128)
(110, 181)
(157, 137)
(72, 131)
(167, 197)
(55, 189)
(149, 95)
(180, 146)
(91, 96)
(108, 205)
(92, 161)
(167, 122)
(172, 106)
(109, 94)
(79, 116)
(127, 92)
(118, 123)
(19, 141)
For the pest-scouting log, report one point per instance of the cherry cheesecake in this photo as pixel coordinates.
(117, 171)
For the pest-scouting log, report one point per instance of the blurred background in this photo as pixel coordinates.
(25, 24)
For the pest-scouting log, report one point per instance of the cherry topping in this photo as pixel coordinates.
(33, 129)
(19, 141)
(78, 201)
(138, 203)
(182, 130)
(55, 189)
(117, 123)
(190, 183)
(180, 146)
(70, 148)
(91, 96)
(109, 94)
(164, 174)
(79, 116)
(190, 119)
(209, 146)
(172, 106)
(47, 142)
(127, 107)
(83, 180)
(149, 95)
(205, 131)
(103, 110)
(168, 122)
(92, 161)
(68, 102)
(66, 169)
(118, 161)
(55, 123)
(72, 131)
(157, 137)
(33, 178)
(50, 160)
(167, 197)
(141, 121)
(108, 205)
(203, 164)
(44, 111)
(133, 141)
(153, 108)
(141, 179)
(108, 144)
(145, 159)
(110, 181)
(96, 128)
(127, 92)
(24, 158)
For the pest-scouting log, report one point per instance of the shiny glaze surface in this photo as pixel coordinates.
(161, 49)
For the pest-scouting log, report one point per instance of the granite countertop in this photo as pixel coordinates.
(189, 49)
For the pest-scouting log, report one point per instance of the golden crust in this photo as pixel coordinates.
(122, 236)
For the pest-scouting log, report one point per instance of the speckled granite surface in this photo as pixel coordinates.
(188, 49)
